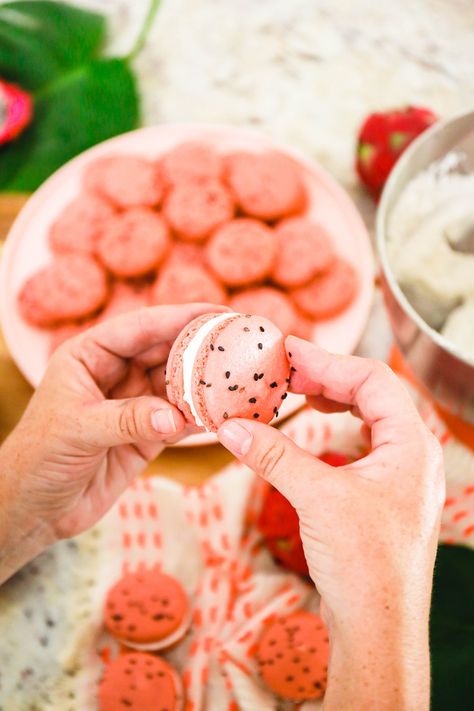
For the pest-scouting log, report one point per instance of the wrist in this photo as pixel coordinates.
(380, 655)
(23, 535)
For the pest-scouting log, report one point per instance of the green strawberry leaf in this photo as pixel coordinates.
(452, 630)
(82, 107)
(40, 41)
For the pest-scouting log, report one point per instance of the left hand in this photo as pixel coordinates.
(98, 417)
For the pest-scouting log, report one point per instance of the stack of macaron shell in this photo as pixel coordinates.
(147, 610)
(193, 224)
(292, 655)
(225, 365)
(138, 681)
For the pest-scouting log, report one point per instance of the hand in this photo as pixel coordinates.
(98, 417)
(369, 529)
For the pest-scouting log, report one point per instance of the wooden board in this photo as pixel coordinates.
(190, 465)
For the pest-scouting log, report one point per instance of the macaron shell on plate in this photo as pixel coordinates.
(26, 248)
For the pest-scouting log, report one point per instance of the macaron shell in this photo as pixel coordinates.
(145, 607)
(174, 366)
(138, 681)
(241, 371)
(292, 656)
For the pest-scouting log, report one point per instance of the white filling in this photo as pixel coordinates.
(189, 357)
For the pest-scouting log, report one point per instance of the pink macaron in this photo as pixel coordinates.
(225, 365)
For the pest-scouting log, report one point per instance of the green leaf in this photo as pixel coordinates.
(452, 630)
(39, 41)
(81, 108)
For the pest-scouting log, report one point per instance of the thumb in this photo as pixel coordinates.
(115, 422)
(273, 456)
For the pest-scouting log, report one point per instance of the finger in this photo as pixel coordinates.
(134, 420)
(273, 456)
(370, 386)
(103, 348)
(322, 404)
(157, 377)
(135, 384)
(156, 355)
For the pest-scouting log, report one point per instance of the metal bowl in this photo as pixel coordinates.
(436, 362)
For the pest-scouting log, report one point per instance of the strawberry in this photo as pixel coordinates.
(382, 139)
(16, 109)
(289, 552)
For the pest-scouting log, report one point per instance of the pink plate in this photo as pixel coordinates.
(26, 247)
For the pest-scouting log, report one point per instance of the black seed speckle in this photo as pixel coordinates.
(220, 348)
(246, 329)
(248, 315)
(293, 370)
(253, 399)
(262, 329)
(212, 346)
(274, 384)
(227, 374)
(256, 414)
(275, 410)
(289, 354)
(208, 385)
(167, 382)
(255, 376)
(284, 396)
(233, 387)
(202, 382)
(225, 415)
(276, 413)
(260, 376)
(287, 380)
(260, 346)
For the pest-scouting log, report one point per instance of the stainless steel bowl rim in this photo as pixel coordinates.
(380, 224)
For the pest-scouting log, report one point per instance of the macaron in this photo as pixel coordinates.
(125, 180)
(134, 242)
(78, 226)
(72, 287)
(292, 656)
(266, 301)
(328, 293)
(241, 252)
(147, 610)
(190, 161)
(184, 282)
(124, 297)
(268, 185)
(304, 250)
(195, 209)
(137, 681)
(228, 365)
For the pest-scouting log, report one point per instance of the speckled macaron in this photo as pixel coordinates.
(268, 185)
(266, 301)
(228, 365)
(185, 282)
(77, 227)
(125, 180)
(72, 287)
(328, 293)
(134, 242)
(147, 610)
(304, 250)
(137, 681)
(195, 209)
(292, 656)
(241, 252)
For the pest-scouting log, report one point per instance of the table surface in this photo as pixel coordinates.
(189, 465)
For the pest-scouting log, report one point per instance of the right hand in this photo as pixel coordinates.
(369, 529)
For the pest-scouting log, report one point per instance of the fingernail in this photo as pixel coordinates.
(236, 438)
(163, 421)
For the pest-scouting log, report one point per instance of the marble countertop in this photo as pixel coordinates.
(305, 72)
